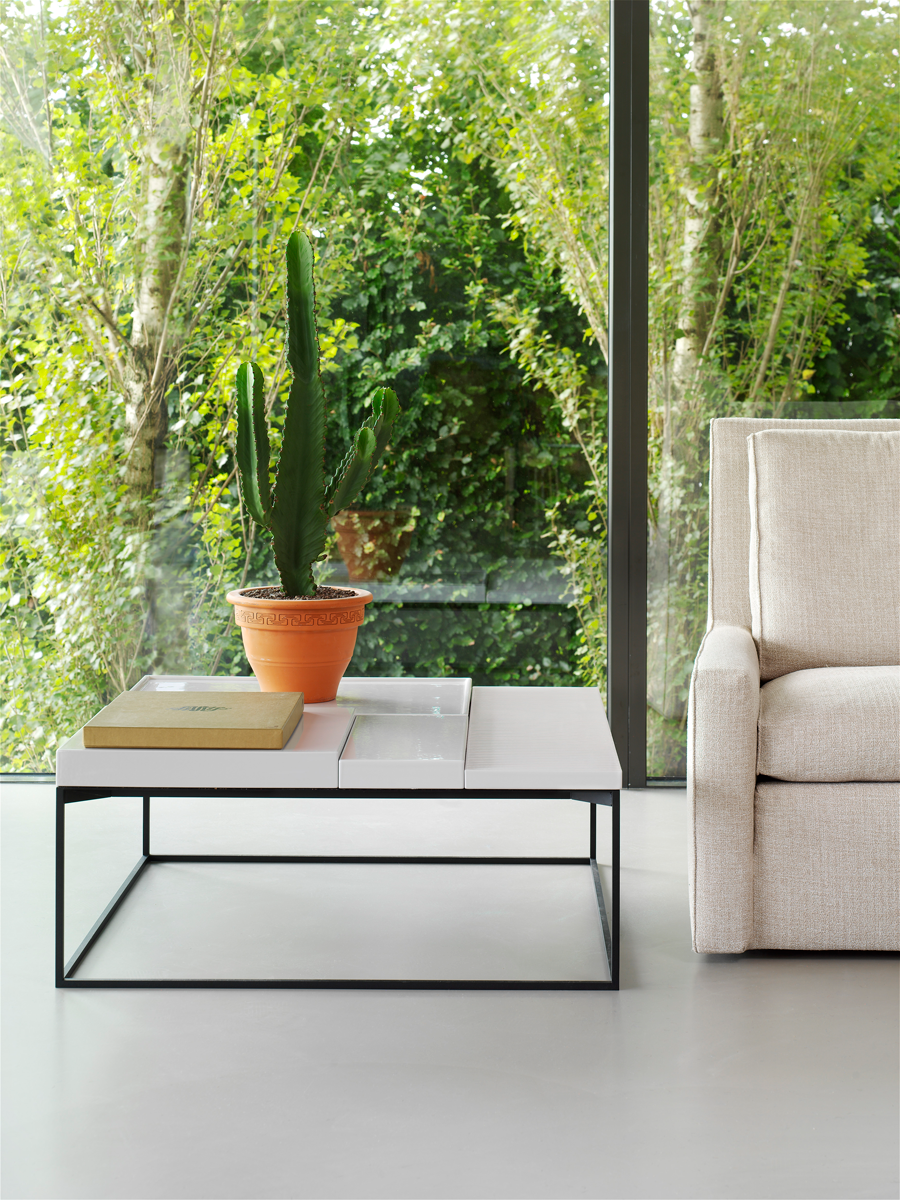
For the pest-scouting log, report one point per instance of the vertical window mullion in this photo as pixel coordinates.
(628, 332)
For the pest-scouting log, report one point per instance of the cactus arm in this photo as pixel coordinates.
(252, 449)
(353, 472)
(356, 469)
(385, 410)
(299, 517)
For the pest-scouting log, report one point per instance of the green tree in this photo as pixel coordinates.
(773, 127)
(450, 161)
(166, 152)
(149, 151)
(772, 134)
(524, 89)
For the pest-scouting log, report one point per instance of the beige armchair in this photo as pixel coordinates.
(794, 715)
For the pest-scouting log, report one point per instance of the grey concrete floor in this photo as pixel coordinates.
(762, 1075)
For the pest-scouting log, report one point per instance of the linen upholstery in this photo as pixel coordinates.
(722, 781)
(723, 711)
(729, 511)
(824, 533)
(825, 866)
(831, 725)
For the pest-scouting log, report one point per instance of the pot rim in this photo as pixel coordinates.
(360, 596)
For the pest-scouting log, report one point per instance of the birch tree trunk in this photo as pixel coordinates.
(676, 539)
(700, 245)
(162, 239)
(153, 335)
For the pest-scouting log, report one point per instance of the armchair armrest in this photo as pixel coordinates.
(723, 711)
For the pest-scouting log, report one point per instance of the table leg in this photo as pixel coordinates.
(65, 972)
(59, 950)
(614, 964)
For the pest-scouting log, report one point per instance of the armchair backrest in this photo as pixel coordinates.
(729, 508)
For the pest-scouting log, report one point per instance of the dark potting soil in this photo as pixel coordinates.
(277, 593)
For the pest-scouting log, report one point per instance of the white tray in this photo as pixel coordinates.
(405, 751)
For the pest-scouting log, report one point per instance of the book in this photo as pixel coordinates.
(196, 721)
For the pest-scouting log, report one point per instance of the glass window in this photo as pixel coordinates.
(773, 267)
(450, 164)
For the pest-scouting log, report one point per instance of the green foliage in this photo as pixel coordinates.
(114, 589)
(758, 240)
(449, 161)
(72, 568)
(297, 514)
(500, 645)
(859, 363)
(102, 586)
(806, 160)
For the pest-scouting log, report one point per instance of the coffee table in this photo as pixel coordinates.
(381, 738)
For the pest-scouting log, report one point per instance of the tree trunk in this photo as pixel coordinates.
(151, 366)
(676, 544)
(700, 248)
(161, 235)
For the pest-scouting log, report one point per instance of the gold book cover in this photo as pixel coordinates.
(196, 721)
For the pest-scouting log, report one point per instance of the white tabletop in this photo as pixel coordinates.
(524, 737)
(384, 732)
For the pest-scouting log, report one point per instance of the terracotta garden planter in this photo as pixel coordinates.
(373, 544)
(300, 645)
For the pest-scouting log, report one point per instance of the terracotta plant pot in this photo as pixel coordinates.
(373, 544)
(300, 645)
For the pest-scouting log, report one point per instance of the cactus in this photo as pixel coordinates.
(297, 512)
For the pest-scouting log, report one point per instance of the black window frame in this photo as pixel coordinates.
(629, 166)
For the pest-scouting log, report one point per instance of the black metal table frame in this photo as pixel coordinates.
(65, 971)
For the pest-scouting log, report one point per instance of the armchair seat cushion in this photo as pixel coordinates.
(831, 725)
